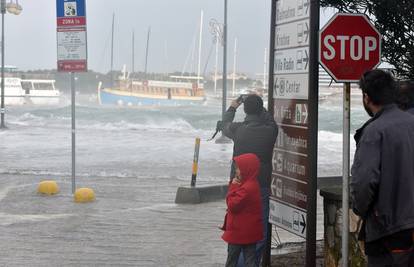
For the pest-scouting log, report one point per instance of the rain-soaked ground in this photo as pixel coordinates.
(126, 226)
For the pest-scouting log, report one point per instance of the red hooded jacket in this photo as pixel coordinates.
(243, 221)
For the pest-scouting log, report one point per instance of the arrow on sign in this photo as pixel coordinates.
(273, 187)
(306, 32)
(276, 87)
(306, 59)
(303, 224)
(306, 4)
(305, 113)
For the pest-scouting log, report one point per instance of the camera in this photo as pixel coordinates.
(219, 126)
(242, 98)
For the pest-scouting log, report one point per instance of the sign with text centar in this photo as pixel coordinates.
(290, 178)
(72, 53)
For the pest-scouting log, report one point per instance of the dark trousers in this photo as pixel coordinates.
(260, 246)
(400, 259)
(249, 252)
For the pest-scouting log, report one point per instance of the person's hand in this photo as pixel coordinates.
(235, 104)
(236, 180)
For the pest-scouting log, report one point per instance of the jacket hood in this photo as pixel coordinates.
(249, 166)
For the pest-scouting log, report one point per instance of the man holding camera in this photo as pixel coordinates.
(256, 134)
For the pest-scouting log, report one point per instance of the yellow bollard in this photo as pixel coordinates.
(195, 162)
(84, 195)
(48, 188)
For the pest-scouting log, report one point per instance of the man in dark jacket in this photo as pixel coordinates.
(382, 184)
(256, 134)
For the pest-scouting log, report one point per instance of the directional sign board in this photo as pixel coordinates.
(291, 86)
(71, 36)
(292, 34)
(291, 160)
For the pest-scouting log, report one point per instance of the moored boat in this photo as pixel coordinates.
(19, 91)
(177, 91)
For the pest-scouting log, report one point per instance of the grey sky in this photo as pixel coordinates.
(31, 37)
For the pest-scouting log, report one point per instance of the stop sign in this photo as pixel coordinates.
(349, 45)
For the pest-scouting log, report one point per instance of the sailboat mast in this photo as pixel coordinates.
(133, 52)
(216, 65)
(200, 41)
(234, 66)
(112, 50)
(146, 50)
(265, 69)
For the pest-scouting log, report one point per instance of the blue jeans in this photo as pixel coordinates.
(265, 193)
(234, 253)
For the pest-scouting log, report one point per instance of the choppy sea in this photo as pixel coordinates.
(134, 158)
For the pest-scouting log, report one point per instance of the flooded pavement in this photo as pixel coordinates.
(126, 226)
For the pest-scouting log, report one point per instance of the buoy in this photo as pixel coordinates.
(48, 188)
(84, 195)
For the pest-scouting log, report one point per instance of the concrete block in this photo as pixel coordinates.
(197, 195)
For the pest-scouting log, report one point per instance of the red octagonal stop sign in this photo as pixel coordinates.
(349, 45)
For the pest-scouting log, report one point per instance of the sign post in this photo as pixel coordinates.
(294, 79)
(72, 53)
(349, 46)
(345, 170)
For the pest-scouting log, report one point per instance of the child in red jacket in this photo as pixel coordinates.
(243, 226)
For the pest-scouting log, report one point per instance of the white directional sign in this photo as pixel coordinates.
(292, 61)
(292, 34)
(288, 11)
(292, 219)
(291, 86)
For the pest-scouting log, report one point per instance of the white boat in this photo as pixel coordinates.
(19, 91)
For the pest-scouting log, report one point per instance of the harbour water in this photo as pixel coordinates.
(134, 159)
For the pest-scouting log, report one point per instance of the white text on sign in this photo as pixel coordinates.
(358, 47)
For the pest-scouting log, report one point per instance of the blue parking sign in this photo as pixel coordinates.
(70, 8)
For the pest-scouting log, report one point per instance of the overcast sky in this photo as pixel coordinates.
(31, 37)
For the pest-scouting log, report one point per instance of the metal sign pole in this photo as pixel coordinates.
(345, 172)
(224, 61)
(267, 255)
(223, 139)
(2, 109)
(72, 85)
(313, 134)
(72, 44)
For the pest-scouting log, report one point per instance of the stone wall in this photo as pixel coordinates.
(332, 207)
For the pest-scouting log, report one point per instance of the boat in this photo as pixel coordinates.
(175, 91)
(170, 91)
(19, 91)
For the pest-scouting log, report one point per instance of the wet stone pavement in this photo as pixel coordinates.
(127, 226)
(133, 222)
